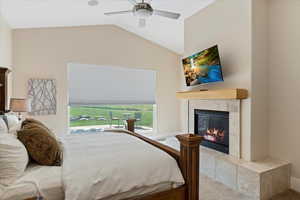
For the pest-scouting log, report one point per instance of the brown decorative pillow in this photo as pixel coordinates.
(40, 144)
(33, 121)
(37, 125)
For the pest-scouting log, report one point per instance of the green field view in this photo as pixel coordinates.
(100, 115)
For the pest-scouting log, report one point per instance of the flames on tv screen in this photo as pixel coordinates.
(203, 67)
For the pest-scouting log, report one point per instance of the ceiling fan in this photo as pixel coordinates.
(144, 10)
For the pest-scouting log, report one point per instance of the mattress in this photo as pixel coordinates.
(48, 181)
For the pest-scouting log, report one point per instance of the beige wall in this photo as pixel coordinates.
(45, 53)
(228, 24)
(284, 81)
(5, 44)
(259, 76)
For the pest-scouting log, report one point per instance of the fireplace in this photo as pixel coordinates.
(214, 127)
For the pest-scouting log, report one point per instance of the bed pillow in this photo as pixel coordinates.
(3, 126)
(42, 147)
(13, 123)
(13, 159)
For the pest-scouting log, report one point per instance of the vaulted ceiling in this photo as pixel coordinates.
(54, 13)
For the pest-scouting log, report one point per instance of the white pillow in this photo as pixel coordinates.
(13, 123)
(13, 159)
(3, 126)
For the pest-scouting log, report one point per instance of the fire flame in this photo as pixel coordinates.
(214, 134)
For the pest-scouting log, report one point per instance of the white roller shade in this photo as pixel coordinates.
(95, 85)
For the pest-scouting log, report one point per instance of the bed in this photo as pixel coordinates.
(50, 183)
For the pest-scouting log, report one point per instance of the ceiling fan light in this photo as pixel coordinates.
(93, 2)
(143, 13)
(142, 23)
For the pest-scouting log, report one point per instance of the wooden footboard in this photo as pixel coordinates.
(188, 161)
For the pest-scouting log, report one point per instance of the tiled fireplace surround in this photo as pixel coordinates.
(260, 180)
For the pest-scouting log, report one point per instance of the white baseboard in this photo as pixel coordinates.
(295, 184)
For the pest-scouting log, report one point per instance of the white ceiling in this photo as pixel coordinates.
(53, 13)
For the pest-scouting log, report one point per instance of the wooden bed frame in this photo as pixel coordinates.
(188, 161)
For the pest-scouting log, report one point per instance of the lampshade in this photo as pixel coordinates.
(18, 105)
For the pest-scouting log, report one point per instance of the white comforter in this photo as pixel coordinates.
(101, 165)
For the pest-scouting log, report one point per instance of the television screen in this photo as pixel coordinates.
(204, 67)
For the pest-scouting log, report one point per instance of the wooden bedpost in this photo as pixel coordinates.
(189, 161)
(130, 125)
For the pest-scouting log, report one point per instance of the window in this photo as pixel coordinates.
(104, 97)
(94, 118)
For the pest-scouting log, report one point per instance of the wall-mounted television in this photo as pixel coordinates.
(203, 67)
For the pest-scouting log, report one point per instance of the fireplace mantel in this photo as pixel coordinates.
(224, 94)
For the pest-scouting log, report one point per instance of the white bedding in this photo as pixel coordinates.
(171, 142)
(102, 165)
(48, 180)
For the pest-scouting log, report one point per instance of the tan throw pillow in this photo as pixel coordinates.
(41, 145)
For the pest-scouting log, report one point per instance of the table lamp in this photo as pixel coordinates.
(19, 106)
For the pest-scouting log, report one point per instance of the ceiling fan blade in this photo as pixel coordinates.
(142, 23)
(167, 14)
(118, 12)
(133, 2)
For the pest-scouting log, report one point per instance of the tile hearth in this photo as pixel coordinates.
(213, 190)
(261, 180)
